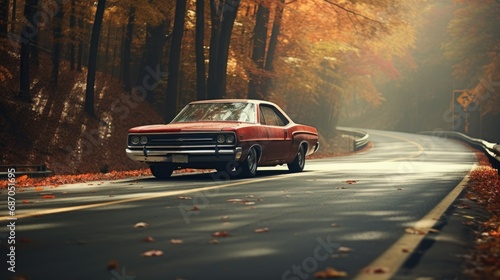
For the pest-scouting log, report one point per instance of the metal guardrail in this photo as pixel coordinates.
(30, 170)
(361, 138)
(492, 150)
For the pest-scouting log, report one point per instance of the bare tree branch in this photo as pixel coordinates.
(352, 12)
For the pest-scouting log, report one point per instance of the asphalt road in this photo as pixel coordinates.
(355, 214)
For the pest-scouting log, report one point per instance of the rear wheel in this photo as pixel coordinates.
(162, 170)
(298, 163)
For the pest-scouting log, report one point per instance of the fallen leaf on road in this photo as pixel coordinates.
(176, 241)
(462, 206)
(224, 218)
(377, 270)
(38, 189)
(343, 249)
(149, 239)
(334, 225)
(27, 201)
(184, 198)
(214, 241)
(141, 225)
(113, 265)
(152, 253)
(48, 196)
(350, 182)
(261, 230)
(330, 272)
(195, 208)
(25, 240)
(414, 231)
(220, 234)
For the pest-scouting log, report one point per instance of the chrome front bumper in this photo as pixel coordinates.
(184, 156)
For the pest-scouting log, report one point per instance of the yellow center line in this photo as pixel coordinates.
(415, 154)
(146, 197)
(393, 258)
(173, 193)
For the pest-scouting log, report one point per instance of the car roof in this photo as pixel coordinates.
(255, 101)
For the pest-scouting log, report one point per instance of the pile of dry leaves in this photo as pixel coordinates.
(484, 187)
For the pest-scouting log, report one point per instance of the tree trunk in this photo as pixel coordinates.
(4, 18)
(174, 60)
(94, 44)
(34, 40)
(258, 52)
(149, 72)
(72, 24)
(80, 46)
(29, 31)
(127, 44)
(222, 26)
(57, 42)
(273, 42)
(201, 83)
(14, 18)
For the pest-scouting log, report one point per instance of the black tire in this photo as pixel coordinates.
(162, 170)
(229, 169)
(298, 163)
(249, 165)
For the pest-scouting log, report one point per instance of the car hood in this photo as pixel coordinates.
(188, 127)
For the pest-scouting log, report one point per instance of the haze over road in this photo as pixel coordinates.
(342, 212)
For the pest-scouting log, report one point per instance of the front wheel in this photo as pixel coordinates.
(162, 170)
(298, 163)
(249, 165)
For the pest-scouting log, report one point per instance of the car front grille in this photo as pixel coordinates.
(177, 140)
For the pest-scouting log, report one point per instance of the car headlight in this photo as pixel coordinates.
(144, 140)
(221, 139)
(134, 140)
(230, 139)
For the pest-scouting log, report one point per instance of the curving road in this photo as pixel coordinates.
(363, 214)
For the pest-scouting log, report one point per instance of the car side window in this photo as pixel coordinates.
(270, 116)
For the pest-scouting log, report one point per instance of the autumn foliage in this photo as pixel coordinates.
(484, 187)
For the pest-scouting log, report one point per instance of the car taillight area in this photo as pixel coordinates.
(174, 140)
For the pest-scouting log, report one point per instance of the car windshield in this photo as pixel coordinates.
(234, 111)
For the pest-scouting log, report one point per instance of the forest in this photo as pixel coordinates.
(75, 75)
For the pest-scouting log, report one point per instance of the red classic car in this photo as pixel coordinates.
(230, 135)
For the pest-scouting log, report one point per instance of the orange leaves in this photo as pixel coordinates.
(148, 239)
(261, 230)
(57, 180)
(329, 273)
(220, 234)
(152, 253)
(377, 270)
(48, 196)
(496, 233)
(140, 225)
(415, 231)
(484, 188)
